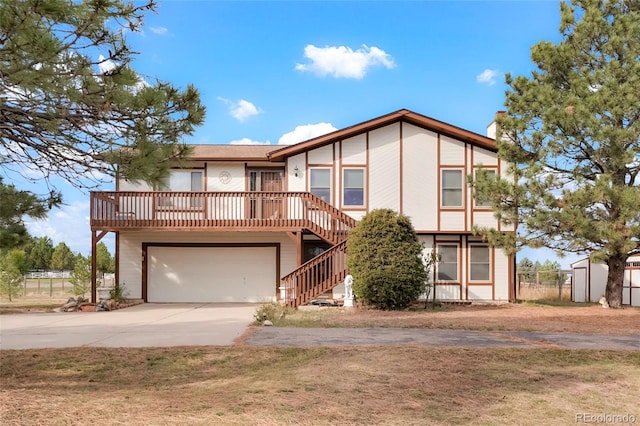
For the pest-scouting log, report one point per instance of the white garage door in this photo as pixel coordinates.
(211, 274)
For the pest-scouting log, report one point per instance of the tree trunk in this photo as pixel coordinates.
(615, 279)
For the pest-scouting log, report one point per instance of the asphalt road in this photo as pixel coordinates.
(303, 337)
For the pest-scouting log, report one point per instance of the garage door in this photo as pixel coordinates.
(211, 274)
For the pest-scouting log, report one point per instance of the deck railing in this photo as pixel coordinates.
(318, 275)
(121, 210)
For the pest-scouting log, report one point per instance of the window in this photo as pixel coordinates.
(479, 263)
(182, 181)
(447, 267)
(451, 188)
(320, 183)
(353, 188)
(481, 201)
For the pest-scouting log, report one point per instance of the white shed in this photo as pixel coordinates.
(589, 281)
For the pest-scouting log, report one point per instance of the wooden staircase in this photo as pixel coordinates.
(328, 269)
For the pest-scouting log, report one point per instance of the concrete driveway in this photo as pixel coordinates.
(143, 325)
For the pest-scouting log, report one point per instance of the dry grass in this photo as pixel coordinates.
(264, 386)
(521, 317)
(545, 293)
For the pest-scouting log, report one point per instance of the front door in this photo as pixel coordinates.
(266, 206)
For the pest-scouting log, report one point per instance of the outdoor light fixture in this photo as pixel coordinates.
(296, 171)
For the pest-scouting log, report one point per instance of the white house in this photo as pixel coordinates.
(589, 281)
(263, 223)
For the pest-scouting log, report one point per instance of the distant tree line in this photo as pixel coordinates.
(39, 253)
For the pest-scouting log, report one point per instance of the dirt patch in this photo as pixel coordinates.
(507, 317)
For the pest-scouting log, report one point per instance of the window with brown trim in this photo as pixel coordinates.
(484, 201)
(479, 262)
(447, 267)
(452, 184)
(182, 181)
(353, 187)
(320, 183)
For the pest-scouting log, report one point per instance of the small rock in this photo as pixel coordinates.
(267, 323)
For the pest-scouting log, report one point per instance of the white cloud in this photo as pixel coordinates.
(343, 62)
(106, 65)
(304, 132)
(247, 141)
(242, 109)
(487, 76)
(159, 30)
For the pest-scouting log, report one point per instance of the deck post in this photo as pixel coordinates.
(94, 272)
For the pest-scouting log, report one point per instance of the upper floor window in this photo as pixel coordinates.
(451, 188)
(353, 188)
(484, 201)
(320, 183)
(447, 267)
(479, 262)
(183, 180)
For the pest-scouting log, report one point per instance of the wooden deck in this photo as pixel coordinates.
(218, 211)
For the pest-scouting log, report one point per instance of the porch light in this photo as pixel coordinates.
(296, 171)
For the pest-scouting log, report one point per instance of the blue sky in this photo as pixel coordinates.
(279, 72)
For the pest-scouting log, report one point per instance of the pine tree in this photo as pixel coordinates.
(571, 133)
(14, 205)
(73, 107)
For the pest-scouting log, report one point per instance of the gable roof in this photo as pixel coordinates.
(403, 115)
(271, 153)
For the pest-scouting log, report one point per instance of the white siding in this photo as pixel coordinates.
(484, 219)
(296, 184)
(384, 168)
(131, 250)
(501, 275)
(234, 170)
(452, 152)
(125, 185)
(480, 292)
(322, 155)
(451, 221)
(598, 279)
(484, 157)
(354, 150)
(447, 292)
(420, 176)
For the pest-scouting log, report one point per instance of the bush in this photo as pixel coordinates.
(273, 312)
(385, 259)
(119, 293)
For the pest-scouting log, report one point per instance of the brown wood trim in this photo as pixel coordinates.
(205, 176)
(117, 259)
(439, 183)
(94, 272)
(401, 182)
(145, 247)
(465, 187)
(368, 161)
(511, 281)
(401, 115)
